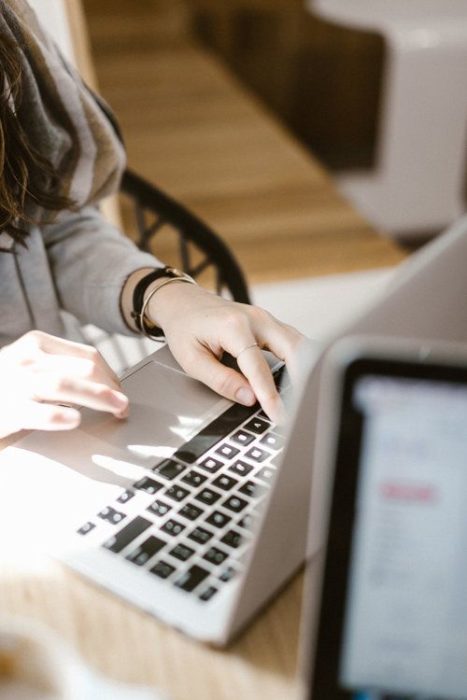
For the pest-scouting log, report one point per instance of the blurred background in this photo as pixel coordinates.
(374, 91)
(321, 80)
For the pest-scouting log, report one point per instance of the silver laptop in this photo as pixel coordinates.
(196, 510)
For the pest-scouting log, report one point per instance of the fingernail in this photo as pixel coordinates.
(245, 396)
(122, 413)
(119, 399)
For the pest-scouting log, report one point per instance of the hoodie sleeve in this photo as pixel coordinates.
(90, 260)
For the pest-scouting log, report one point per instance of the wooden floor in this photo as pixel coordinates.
(193, 130)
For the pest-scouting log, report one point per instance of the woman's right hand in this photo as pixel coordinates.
(41, 375)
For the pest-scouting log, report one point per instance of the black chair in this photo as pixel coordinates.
(199, 248)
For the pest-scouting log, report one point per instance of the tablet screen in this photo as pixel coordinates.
(395, 587)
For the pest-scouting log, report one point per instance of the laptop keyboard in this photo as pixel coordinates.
(188, 520)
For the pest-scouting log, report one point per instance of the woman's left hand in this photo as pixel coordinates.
(200, 326)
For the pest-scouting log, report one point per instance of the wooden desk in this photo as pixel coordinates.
(131, 646)
(192, 129)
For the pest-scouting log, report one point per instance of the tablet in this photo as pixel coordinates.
(392, 622)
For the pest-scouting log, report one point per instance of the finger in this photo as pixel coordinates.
(54, 345)
(37, 416)
(78, 367)
(241, 334)
(225, 381)
(282, 340)
(254, 366)
(65, 389)
(256, 383)
(239, 340)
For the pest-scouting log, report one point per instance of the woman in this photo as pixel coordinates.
(59, 155)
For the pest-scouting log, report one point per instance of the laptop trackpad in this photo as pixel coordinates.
(166, 409)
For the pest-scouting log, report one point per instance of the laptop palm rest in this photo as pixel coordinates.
(166, 409)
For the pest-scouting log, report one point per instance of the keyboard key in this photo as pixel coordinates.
(215, 556)
(235, 416)
(190, 511)
(228, 574)
(257, 425)
(162, 569)
(252, 489)
(126, 496)
(173, 527)
(87, 527)
(201, 535)
(211, 465)
(199, 445)
(111, 515)
(208, 496)
(265, 474)
(240, 468)
(127, 534)
(257, 454)
(214, 432)
(146, 550)
(228, 451)
(176, 493)
(247, 521)
(194, 478)
(192, 578)
(263, 416)
(235, 503)
(225, 482)
(218, 519)
(273, 441)
(159, 508)
(278, 375)
(208, 594)
(242, 437)
(148, 485)
(182, 552)
(232, 539)
(169, 469)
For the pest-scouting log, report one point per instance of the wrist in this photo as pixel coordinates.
(165, 305)
(145, 292)
(138, 292)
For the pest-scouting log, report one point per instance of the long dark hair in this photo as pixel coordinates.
(26, 175)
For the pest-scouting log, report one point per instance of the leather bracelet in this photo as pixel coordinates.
(143, 284)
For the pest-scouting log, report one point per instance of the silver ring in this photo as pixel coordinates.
(248, 347)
